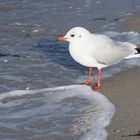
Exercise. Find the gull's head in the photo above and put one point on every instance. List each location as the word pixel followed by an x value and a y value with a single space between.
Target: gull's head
pixel 76 34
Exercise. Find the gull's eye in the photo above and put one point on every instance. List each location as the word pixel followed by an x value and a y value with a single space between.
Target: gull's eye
pixel 72 35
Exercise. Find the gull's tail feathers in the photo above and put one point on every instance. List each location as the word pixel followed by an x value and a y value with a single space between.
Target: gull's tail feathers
pixel 138 50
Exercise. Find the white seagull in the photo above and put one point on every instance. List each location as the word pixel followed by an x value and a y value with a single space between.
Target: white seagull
pixel 94 50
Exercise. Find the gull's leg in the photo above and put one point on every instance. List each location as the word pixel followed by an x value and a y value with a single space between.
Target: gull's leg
pixel 89 81
pixel 97 87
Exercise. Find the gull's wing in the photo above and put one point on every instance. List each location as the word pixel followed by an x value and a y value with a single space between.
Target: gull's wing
pixel 109 52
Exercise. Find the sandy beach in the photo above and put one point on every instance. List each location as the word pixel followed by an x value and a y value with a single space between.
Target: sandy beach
pixel 123 91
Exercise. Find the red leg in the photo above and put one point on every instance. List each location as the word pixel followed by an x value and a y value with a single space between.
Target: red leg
pixel 89 81
pixel 97 87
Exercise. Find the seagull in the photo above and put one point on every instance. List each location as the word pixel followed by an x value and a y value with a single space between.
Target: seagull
pixel 95 50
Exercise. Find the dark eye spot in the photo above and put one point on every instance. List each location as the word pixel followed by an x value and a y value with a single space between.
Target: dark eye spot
pixel 72 35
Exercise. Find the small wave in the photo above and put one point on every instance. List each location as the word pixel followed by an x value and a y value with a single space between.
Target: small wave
pixel 66 112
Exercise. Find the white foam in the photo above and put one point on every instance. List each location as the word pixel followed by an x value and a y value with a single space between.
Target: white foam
pixel 95 109
pixel 132 56
pixel 132 37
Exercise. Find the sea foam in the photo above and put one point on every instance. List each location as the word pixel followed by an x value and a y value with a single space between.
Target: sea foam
pixel 68 112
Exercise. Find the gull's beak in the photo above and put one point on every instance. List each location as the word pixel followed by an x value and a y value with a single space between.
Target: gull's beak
pixel 62 38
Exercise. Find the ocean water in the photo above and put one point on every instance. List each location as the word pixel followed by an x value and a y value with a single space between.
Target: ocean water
pixel 32 58
pixel 69 112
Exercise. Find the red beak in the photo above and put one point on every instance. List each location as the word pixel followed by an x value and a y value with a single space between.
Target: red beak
pixel 62 38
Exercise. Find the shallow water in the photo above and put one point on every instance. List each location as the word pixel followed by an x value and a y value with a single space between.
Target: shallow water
pixel 32 58
pixel 70 112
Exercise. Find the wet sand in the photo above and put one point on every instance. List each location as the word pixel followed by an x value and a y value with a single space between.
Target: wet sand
pixel 131 24
pixel 123 90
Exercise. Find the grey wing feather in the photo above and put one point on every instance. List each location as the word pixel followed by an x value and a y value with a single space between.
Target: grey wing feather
pixel 113 52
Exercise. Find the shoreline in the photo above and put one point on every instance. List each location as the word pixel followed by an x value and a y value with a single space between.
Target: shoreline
pixel 123 91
